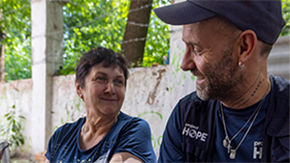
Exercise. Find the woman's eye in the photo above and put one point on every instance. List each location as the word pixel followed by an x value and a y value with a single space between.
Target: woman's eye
pixel 119 82
pixel 100 79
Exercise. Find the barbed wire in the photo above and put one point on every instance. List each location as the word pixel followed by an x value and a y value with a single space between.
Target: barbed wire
pixel 90 22
pixel 68 29
pixel 110 13
pixel 14 10
pixel 138 24
pixel 49 58
pixel 134 40
pixel 140 8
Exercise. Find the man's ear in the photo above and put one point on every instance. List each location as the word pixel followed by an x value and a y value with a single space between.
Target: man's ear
pixel 247 44
pixel 79 90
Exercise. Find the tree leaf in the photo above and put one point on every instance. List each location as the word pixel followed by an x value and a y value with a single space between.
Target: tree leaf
pixel 22 117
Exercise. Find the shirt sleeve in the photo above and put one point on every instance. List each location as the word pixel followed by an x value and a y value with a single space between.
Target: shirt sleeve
pixel 171 146
pixel 52 141
pixel 135 138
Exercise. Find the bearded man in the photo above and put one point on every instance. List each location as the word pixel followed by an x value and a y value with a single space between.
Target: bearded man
pixel 239 112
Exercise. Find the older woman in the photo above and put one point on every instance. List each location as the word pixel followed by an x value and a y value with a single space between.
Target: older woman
pixel 106 134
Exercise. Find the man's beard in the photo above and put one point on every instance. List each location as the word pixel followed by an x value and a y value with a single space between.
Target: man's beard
pixel 222 79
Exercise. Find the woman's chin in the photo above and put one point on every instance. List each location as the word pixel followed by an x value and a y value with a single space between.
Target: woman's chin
pixel 110 111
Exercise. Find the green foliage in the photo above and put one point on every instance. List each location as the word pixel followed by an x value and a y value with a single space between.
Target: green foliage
pixel 12 131
pixel 286 15
pixel 91 24
pixel 102 23
pixel 158 37
pixel 16 25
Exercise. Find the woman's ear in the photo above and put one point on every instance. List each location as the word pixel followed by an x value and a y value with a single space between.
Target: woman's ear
pixel 247 44
pixel 79 90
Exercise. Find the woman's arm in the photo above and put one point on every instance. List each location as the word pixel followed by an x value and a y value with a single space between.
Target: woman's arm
pixel 125 157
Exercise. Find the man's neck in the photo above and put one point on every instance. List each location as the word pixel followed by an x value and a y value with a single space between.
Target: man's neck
pixel 251 93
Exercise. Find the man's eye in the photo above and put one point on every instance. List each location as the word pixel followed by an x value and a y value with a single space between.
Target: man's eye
pixel 197 50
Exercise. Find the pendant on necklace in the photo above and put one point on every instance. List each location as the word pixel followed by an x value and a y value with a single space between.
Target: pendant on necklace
pixel 226 142
pixel 229 147
pixel 233 154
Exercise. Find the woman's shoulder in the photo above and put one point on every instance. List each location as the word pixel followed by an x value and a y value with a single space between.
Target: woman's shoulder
pixel 65 133
pixel 70 126
pixel 134 136
pixel 128 121
pixel 129 118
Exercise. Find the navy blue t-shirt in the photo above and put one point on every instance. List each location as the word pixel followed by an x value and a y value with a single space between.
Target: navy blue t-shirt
pixel 251 147
pixel 129 134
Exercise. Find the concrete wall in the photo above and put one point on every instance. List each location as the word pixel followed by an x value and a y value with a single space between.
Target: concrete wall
pixel 18 93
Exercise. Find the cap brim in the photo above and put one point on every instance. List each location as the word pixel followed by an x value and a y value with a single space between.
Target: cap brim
pixel 183 13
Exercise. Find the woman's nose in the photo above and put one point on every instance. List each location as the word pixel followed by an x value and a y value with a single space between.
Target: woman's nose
pixel 110 88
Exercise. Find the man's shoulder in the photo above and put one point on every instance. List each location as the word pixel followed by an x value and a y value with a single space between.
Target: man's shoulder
pixel 280 86
pixel 190 98
pixel 191 105
pixel 279 107
pixel 193 100
pixel 280 81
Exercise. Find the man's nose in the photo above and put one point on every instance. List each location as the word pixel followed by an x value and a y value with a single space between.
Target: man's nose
pixel 187 61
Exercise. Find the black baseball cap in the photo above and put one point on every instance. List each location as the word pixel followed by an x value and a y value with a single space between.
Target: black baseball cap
pixel 264 17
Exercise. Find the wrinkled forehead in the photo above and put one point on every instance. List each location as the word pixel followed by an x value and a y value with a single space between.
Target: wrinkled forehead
pixel 106 69
pixel 210 30
pixel 111 66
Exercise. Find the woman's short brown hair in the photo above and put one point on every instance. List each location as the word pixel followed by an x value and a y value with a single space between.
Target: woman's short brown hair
pixel 107 57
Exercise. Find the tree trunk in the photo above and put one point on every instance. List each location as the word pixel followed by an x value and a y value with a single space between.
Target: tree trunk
pixel 136 30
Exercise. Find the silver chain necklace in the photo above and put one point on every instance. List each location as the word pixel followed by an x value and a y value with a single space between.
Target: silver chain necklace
pixel 227 141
